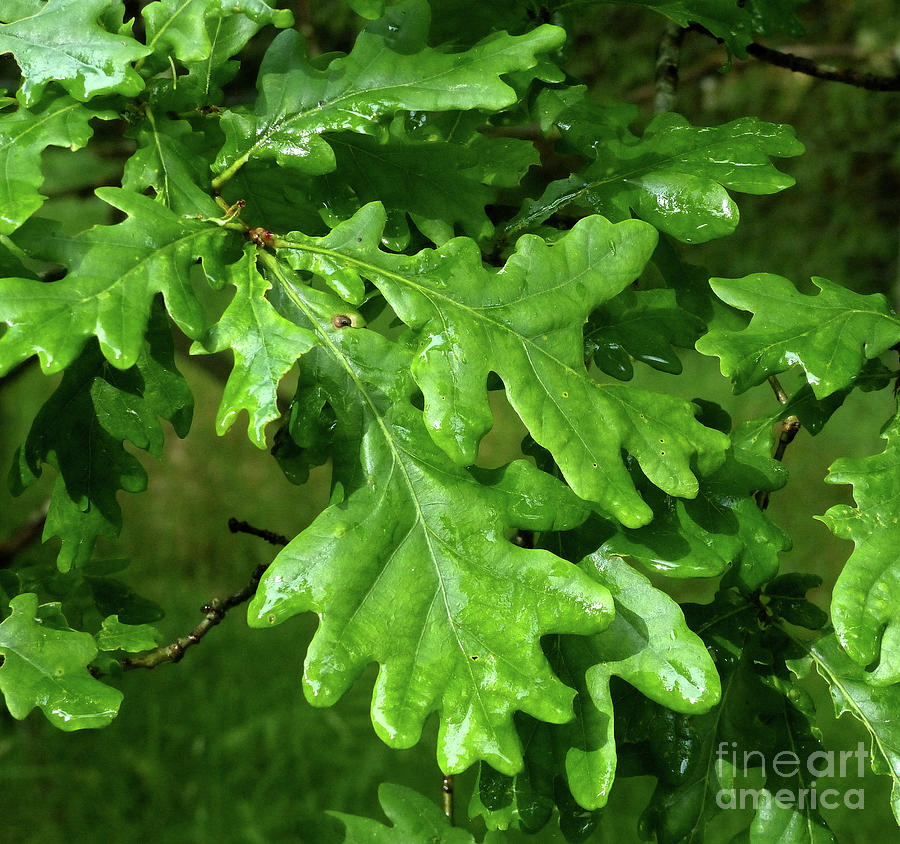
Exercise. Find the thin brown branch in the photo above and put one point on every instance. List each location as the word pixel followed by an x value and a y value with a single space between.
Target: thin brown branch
pixel 801 64
pixel 24 536
pixel 236 526
pixel 213 613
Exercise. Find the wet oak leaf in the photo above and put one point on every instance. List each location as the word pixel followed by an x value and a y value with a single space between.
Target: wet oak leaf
pixel 114 273
pixel 865 606
pixel 413 569
pixel 47 667
pixel 832 334
pixel 524 322
pixel 64 41
pixel 675 176
pixel 24 134
pixel 265 347
pixel 298 102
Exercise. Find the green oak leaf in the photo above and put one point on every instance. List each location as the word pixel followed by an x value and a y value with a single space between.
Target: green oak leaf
pixel 170 158
pixel 65 42
pixel 47 667
pixel 874 706
pixel 649 646
pixel 831 335
pixel 524 322
pixel 676 176
pixel 265 345
pixel 642 325
pixel 131 638
pixel 409 568
pixel 81 431
pixel 24 134
pixel 865 607
pixel 413 818
pixel 114 274
pixel 298 102
pixel 182 27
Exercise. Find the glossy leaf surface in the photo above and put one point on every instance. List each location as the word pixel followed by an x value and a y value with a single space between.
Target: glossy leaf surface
pixel 46 667
pixel 831 335
pixel 65 41
pixel 132 638
pixel 675 176
pixel 865 607
pixel 524 322
pixel 298 102
pixel 410 568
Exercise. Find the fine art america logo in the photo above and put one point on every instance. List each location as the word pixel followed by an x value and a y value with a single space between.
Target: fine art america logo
pixel 791 768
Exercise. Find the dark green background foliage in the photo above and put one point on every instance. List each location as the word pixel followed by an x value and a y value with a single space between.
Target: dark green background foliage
pixel 361 167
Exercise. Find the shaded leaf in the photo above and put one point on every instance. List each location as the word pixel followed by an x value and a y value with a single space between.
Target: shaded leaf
pixel 46 667
pixel 413 818
pixel 408 569
pixel 81 431
pixel 65 42
pixel 132 638
pixel 831 335
pixel 524 322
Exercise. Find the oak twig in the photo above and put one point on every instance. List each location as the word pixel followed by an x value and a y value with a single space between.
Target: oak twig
pixel 789 427
pixel 801 64
pixel 213 613
pixel 236 526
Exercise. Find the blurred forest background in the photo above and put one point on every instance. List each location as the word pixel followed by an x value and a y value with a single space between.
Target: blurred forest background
pixel 223 746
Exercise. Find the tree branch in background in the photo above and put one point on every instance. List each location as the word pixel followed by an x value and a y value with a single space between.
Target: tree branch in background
pixel 236 526
pixel 24 536
pixel 799 64
pixel 213 613
pixel 668 56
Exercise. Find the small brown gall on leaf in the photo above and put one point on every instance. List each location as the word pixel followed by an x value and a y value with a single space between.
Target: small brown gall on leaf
pixel 344 321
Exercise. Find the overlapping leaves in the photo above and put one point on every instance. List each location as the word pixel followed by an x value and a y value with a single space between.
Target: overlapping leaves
pixel 675 176
pixel 81 431
pixel 410 568
pixel 524 322
pixel 389 69
pixel 44 666
pixel 82 44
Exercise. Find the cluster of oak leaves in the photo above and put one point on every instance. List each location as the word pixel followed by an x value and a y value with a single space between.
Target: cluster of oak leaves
pixel 507 599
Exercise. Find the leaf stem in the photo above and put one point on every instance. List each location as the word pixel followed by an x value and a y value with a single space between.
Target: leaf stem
pixel 447 791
